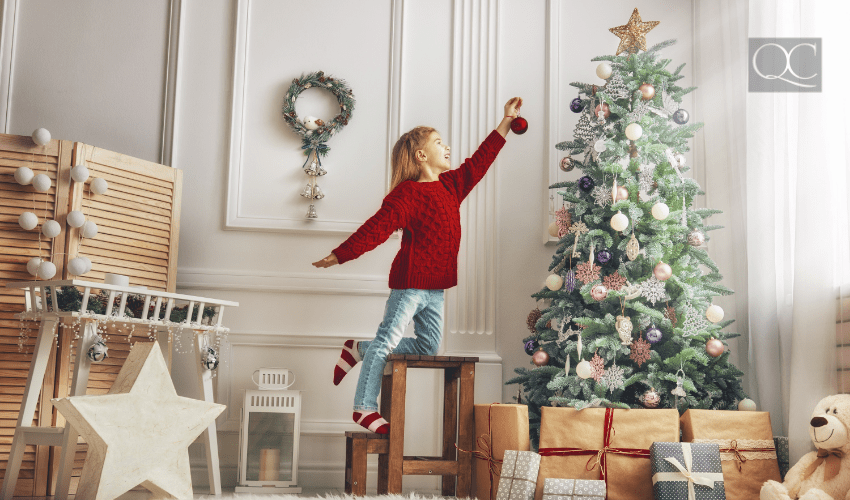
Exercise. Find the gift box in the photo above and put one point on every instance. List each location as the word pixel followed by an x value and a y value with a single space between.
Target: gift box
pixel 783 455
pixel 498 427
pixel 519 475
pixel 689 471
pixel 747 451
pixel 604 443
pixel 573 489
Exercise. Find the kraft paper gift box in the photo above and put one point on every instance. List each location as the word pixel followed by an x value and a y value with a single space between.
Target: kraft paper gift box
pixel 573 489
pixel 498 427
pixel 519 475
pixel 584 444
pixel 747 450
pixel 687 471
pixel 783 454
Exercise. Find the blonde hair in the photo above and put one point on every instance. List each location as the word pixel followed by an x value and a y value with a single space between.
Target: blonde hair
pixel 403 159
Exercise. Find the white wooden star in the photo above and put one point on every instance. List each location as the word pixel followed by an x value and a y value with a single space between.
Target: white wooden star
pixel 139 433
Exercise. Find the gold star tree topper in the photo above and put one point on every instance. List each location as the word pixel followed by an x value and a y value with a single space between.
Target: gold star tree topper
pixel 633 34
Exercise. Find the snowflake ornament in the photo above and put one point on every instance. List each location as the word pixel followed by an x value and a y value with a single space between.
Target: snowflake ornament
pixel 695 322
pixel 653 290
pixel 614 378
pixel 597 367
pixel 646 181
pixel 587 272
pixel 641 351
pixel 602 195
pixel 637 113
pixel 668 105
pixel 614 281
pixel 579 228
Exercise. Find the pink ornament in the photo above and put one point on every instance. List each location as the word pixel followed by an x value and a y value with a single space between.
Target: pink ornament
pixel 599 292
pixel 662 272
pixel 714 347
pixel 540 358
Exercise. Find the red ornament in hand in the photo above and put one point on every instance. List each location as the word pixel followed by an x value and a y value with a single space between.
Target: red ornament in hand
pixel 519 125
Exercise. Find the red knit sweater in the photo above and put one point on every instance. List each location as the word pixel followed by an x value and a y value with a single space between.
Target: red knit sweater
pixel 429 213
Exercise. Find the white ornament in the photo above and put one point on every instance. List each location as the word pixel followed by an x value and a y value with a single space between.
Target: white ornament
pixel 714 313
pixel 553 229
pixel 747 405
pixel 76 218
pixel 634 131
pixel 660 210
pixel 28 220
pixel 80 173
pixel 619 222
pixel 46 270
pixel 554 282
pixel 51 229
pixel 604 70
pixel 583 369
pixel 89 229
pixel 32 265
pixel 41 136
pixel 312 123
pixel 77 266
pixel 41 183
pixel 680 159
pixel 24 175
pixel 99 185
pixel 88 263
pixel 128 447
pixel 599 146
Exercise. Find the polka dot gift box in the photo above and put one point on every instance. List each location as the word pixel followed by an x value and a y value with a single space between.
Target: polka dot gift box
pixel 519 475
pixel 573 489
pixel 687 471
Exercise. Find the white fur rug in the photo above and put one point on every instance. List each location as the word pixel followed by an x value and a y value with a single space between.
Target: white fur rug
pixel 252 496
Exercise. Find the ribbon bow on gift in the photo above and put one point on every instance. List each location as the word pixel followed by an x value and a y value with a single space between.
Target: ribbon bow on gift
pixel 485 451
pixel 686 473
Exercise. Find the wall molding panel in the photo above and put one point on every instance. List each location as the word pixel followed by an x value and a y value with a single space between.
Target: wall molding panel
pixel 7 59
pixel 235 219
pixel 471 305
pixel 284 282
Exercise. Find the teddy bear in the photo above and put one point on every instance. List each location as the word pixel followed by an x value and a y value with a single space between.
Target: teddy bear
pixel 823 474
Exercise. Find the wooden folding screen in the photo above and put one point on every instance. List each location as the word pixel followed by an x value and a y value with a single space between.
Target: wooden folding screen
pixel 17 246
pixel 138 225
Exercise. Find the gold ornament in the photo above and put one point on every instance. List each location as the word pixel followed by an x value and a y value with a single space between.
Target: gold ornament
pixel 632 248
pixel 633 34
pixel 624 329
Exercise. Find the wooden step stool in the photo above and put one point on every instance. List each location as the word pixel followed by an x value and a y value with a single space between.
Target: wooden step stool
pixel 458 421
pixel 358 445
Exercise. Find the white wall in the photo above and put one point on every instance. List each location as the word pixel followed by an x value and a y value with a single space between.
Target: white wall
pixel 451 65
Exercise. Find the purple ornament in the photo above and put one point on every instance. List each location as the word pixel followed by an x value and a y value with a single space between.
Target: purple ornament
pixel 653 334
pixel 603 256
pixel 576 105
pixel 531 346
pixel 570 280
pixel 586 184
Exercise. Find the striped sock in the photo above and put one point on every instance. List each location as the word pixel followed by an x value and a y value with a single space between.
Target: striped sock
pixel 347 359
pixel 372 421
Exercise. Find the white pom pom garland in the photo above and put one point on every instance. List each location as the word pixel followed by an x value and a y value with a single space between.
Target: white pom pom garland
pixel 76 218
pixel 28 220
pixel 80 173
pixel 41 183
pixel 51 229
pixel 41 136
pixel 24 175
pixel 99 185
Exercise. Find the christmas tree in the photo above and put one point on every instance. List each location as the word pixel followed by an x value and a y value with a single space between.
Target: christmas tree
pixel 630 321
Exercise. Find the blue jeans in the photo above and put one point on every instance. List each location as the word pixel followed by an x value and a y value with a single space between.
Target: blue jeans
pixel 425 308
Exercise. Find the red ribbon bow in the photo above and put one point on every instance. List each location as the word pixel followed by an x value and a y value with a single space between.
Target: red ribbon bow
pixel 600 455
pixel 740 458
pixel 485 452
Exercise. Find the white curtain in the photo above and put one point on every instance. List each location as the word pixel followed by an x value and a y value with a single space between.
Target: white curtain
pixel 778 162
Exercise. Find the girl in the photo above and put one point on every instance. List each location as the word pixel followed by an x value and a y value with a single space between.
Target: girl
pixel 424 201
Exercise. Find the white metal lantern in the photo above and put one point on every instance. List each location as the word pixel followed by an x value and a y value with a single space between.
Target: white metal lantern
pixel 269 434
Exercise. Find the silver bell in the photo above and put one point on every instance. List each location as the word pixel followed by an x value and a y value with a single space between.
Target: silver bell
pixel 98 351
pixel 311 212
pixel 320 170
pixel 312 169
pixel 308 192
pixel 209 358
pixel 317 193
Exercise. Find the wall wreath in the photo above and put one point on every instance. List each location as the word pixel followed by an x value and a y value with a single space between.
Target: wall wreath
pixel 315 132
